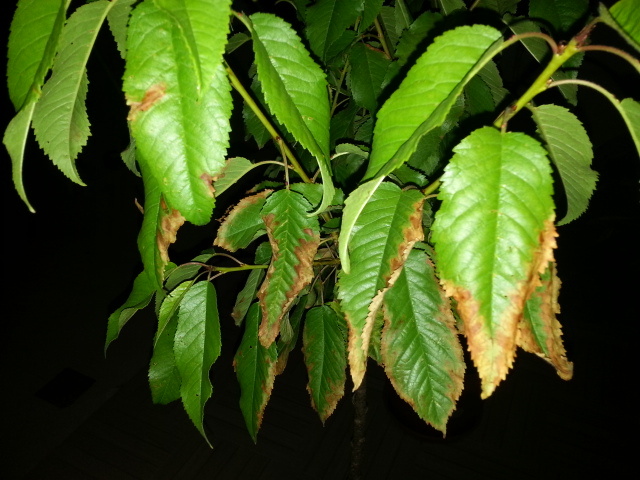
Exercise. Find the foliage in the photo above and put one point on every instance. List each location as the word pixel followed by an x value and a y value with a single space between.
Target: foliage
pixel 371 115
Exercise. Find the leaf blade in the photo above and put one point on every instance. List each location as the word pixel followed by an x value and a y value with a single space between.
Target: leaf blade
pixel 492 239
pixel 240 226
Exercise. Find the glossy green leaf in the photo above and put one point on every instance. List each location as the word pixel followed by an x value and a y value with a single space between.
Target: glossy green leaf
pixel 569 148
pixel 118 19
pixel 327 21
pixel 478 97
pixel 294 88
pixel 139 298
pixel 426 95
pixel 33 42
pixel 196 347
pixel 255 368
pixel 420 349
pixel 164 377
pixel 491 76
pixel 234 169
pixel 368 70
pixel 294 238
pixel 248 292
pixel 539 331
pixel 623 17
pixel 60 118
pixel 14 139
pixel 188 271
pixel 181 127
pixel 159 227
pixel 240 227
pixel 630 111
pixel 494 235
pixel 325 355
pixel 383 234
pixel 561 15
pixel 169 307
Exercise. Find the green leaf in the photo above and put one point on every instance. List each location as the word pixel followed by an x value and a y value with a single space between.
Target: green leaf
pixel 164 377
pixel 285 347
pixel 255 368
pixel 179 274
pixel 403 17
pixel 368 70
pixel 499 6
pixel 295 89
pixel 326 358
pixel 570 149
pixel 236 41
pixel 624 18
pixel 560 15
pixel 420 349
pixel 33 43
pixel 388 20
pixel 140 296
pixel 539 331
pixel 243 223
pixel 158 231
pixel 491 76
pixel 478 98
pixel 181 125
pixel 196 347
pixel 60 118
pixel 447 7
pixel 414 37
pixel 294 238
pixel 118 19
pixel 248 292
pixel 235 168
pixel 383 235
pixel 327 21
pixel 342 123
pixel 370 10
pixel 630 111
pixel 15 139
pixel 426 95
pixel 494 234
pixel 169 307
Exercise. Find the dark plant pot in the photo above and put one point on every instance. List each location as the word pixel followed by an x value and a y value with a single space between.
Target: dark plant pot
pixel 463 420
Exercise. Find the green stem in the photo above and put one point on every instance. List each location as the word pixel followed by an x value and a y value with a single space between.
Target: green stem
pixel 334 104
pixel 635 63
pixel 235 82
pixel 382 39
pixel 432 187
pixel 238 269
pixel 540 84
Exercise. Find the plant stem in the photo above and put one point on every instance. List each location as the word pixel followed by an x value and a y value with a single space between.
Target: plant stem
pixel 235 82
pixel 383 41
pixel 238 269
pixel 432 187
pixel 359 400
pixel 540 84
pixel 635 63
pixel 334 104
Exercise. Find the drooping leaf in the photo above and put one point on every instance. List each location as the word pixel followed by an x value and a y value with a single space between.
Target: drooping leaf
pixel 33 42
pixel 14 139
pixel 169 307
pixel 368 70
pixel 327 21
pixel 420 349
pixel 630 110
pixel 60 118
pixel 236 41
pixel 285 346
pixel 539 331
pixel 494 235
pixel 426 95
pixel 326 358
pixel 243 223
pixel 196 347
pixel 248 292
pixel 569 148
pixel 294 88
pixel 118 19
pixel 560 15
pixel 255 368
pixel 158 230
pixel 624 18
pixel 140 296
pixel 294 238
pixel 164 377
pixel 235 168
pixel 180 102
pixel 388 226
